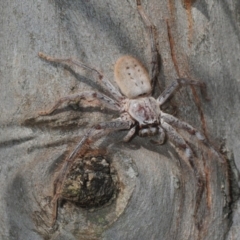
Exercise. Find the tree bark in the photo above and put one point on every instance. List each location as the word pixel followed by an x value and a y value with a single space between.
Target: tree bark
pixel 158 193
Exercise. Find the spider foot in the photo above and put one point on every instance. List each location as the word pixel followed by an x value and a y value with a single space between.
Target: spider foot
pixel 46 57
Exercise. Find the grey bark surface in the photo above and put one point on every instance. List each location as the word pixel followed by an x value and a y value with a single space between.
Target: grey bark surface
pixel 197 39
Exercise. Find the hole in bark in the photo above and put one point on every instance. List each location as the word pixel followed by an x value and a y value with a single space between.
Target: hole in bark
pixel 91 182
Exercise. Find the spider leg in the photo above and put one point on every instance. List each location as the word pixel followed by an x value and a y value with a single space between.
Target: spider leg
pixel 177 140
pixel 191 130
pixel 185 152
pixel 153 37
pixel 130 134
pixel 92 135
pixel 161 137
pixel 77 66
pixel 88 96
pixel 176 85
pixel 183 125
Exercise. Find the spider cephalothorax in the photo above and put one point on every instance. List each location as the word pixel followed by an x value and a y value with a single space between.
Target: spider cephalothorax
pixel 139 112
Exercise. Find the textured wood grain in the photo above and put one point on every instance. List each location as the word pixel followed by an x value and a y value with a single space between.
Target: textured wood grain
pixel 197 39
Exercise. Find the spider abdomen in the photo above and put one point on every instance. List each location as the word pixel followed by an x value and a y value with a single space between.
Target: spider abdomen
pixel 132 77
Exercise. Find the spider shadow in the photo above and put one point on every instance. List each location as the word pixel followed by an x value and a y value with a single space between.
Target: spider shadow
pixel 95 14
pixel 74 114
pixel 115 140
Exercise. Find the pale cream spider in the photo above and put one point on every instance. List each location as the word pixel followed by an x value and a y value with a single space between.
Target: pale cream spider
pixel 139 111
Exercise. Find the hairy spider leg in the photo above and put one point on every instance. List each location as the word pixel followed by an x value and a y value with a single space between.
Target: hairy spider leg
pixel 192 131
pixel 76 65
pixel 185 153
pixel 161 137
pixel 176 85
pixel 88 96
pixel 152 35
pixel 130 134
pixel 170 119
pixel 178 141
